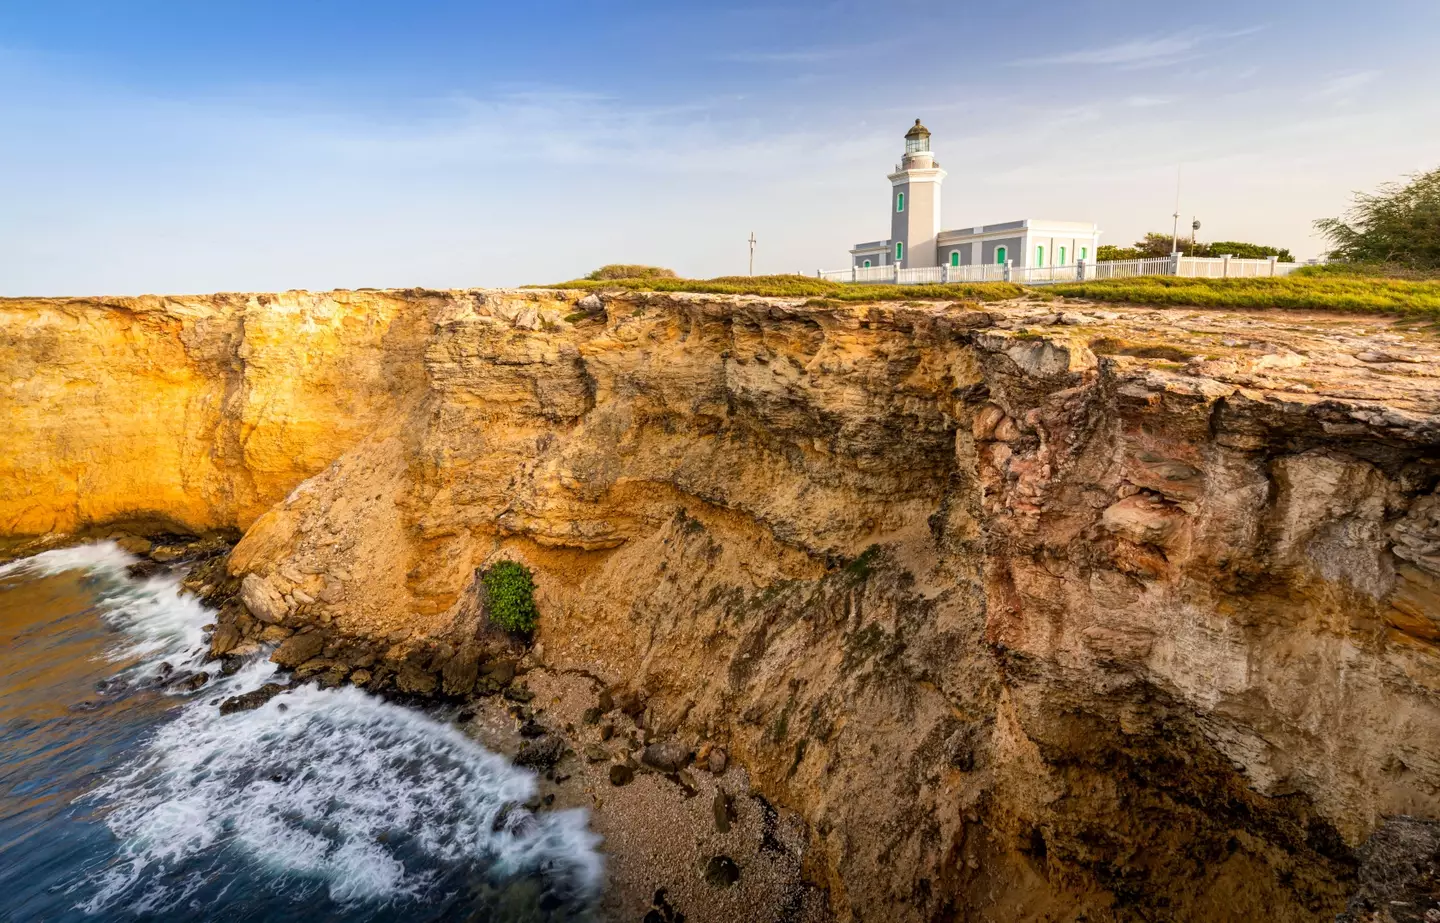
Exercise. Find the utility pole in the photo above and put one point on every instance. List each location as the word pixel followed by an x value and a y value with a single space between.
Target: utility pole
pixel 1175 229
pixel 752 253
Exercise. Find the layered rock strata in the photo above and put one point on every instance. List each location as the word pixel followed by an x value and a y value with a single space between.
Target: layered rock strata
pixel 1031 610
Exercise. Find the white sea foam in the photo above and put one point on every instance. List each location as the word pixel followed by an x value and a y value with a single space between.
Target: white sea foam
pixel 330 785
pixel 160 622
pixel 329 788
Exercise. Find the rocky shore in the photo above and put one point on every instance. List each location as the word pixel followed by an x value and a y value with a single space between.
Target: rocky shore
pixel 685 838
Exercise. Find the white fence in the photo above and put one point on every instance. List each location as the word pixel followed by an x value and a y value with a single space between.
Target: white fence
pixel 1186 266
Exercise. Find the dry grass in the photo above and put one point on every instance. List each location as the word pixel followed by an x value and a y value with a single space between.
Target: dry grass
pixel 1322 291
pixel 808 288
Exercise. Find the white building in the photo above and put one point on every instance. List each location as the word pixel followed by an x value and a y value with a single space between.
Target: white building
pixel 916 239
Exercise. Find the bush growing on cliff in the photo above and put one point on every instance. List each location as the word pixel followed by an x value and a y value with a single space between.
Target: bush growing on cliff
pixel 510 596
pixel 630 271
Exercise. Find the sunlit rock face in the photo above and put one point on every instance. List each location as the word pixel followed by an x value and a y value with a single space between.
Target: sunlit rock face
pixel 1027 608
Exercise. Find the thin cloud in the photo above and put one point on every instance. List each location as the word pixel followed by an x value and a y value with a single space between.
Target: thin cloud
pixel 805 55
pixel 1149 51
pixel 1343 87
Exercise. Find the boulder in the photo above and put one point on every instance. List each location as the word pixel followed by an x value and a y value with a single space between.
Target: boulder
pixel 262 599
pixel 717 761
pixel 596 753
pixel 541 754
pixel 721 872
pixel 723 807
pixel 620 774
pixel 460 673
pixel 414 680
pixel 670 756
pixel 297 649
pixel 251 700
pixel 223 639
pixel 133 544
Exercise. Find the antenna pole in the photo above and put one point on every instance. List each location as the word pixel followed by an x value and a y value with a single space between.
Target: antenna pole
pixel 752 253
pixel 1175 229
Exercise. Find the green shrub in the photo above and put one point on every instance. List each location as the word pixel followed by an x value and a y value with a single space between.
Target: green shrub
pixel 630 271
pixel 510 596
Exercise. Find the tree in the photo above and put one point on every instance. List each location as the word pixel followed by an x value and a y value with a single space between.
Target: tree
pixel 1108 252
pixel 1157 245
pixel 1398 224
pixel 630 271
pixel 1244 251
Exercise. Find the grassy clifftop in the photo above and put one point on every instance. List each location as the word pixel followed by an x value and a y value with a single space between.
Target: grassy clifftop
pixel 1316 290
pixel 806 287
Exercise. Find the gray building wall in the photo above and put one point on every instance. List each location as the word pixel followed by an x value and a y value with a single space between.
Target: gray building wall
pixel 1012 247
pixel 965 248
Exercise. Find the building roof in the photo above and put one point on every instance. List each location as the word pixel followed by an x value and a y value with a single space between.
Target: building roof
pixel 917 131
pixel 1031 224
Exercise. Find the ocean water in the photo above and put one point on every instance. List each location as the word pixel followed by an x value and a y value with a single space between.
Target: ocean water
pixel 122 798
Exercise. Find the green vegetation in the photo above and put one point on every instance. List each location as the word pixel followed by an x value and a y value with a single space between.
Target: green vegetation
pixel 807 287
pixel 1399 224
pixel 1157 245
pixel 510 596
pixel 630 271
pixel 1301 290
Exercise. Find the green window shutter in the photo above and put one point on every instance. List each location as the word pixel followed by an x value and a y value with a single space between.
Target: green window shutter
pixel 899 201
pixel 954 257
pixel 867 264
pixel 1039 256
pixel 1083 252
pixel 1062 257
pixel 899 251
pixel 999 255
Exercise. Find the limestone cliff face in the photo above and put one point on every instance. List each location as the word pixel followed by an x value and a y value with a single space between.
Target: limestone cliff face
pixel 1132 612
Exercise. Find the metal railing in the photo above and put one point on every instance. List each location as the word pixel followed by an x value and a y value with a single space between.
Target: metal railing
pixel 1175 265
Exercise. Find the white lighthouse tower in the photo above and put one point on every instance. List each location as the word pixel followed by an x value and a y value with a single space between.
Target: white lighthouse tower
pixel 915 202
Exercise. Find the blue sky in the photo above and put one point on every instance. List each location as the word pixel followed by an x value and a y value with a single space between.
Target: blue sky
pixel 189 147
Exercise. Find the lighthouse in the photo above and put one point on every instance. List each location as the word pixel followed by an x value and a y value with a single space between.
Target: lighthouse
pixel 915 202
pixel 916 241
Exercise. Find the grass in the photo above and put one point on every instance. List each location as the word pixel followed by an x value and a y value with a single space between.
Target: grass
pixel 1321 291
pixel 806 287
pixel 1364 289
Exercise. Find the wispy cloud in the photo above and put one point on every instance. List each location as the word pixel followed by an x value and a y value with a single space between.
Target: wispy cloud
pixel 1342 88
pixel 1145 51
pixel 1147 102
pixel 806 55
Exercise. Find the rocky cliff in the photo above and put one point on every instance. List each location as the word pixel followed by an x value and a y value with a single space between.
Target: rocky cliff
pixel 1032 611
